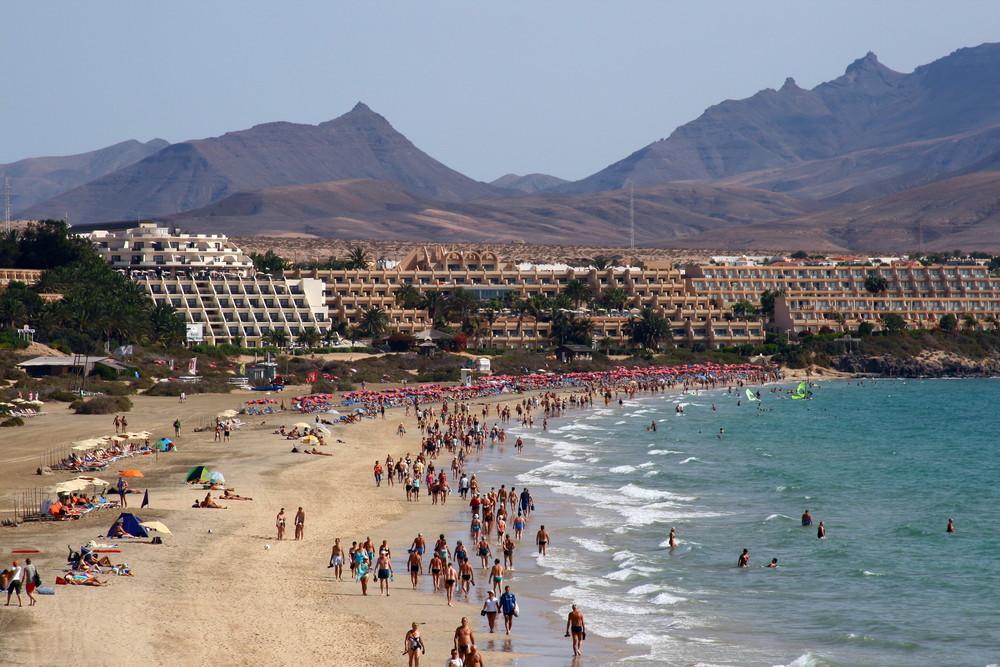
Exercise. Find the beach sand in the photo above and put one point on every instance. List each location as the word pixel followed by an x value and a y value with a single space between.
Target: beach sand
pixel 211 591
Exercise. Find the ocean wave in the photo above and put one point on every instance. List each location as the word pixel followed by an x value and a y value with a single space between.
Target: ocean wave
pixel 623 469
pixel 666 599
pixel 640 493
pixel 689 459
pixel 592 545
pixel 807 660
pixel 663 452
pixel 777 516
pixel 868 573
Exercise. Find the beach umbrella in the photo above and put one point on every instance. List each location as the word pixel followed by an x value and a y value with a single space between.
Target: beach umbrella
pixel 301 426
pixel 157 526
pixel 320 427
pixel 197 474
pixel 216 476
pixel 68 486
pixel 310 440
pixel 130 473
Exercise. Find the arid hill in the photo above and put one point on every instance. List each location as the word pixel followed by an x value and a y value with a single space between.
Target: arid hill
pixel 36 179
pixel 376 210
pixel 956 213
pixel 193 174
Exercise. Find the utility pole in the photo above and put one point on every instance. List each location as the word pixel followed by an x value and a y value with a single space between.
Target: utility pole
pixel 6 203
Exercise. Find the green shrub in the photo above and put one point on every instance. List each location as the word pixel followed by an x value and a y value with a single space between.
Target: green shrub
pixel 64 396
pixel 104 405
pixel 12 421
pixel 105 373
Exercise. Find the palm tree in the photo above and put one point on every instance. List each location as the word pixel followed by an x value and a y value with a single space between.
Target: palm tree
pixel 310 336
pixel 603 262
pixel 648 330
pixel 359 258
pixel 578 291
pixel 167 326
pixel 434 302
pixel 374 323
pixel 616 298
pixel 407 295
pixel 875 284
pixel 463 302
pixel 969 322
pixel 277 337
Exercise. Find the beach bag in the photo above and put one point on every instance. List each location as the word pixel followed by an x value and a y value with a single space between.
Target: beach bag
pixel 60 581
pixel 36 579
pixel 516 610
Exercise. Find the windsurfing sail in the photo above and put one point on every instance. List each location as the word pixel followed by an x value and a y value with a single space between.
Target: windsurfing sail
pixel 802 391
pixel 751 396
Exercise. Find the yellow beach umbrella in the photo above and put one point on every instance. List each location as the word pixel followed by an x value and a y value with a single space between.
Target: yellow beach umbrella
pixel 157 526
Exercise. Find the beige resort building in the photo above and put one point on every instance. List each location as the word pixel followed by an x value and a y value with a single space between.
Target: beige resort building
pixel 212 284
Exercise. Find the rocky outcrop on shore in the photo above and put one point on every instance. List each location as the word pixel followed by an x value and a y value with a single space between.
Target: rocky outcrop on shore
pixel 927 364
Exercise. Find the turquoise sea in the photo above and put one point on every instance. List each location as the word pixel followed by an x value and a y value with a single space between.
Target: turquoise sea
pixel 883 463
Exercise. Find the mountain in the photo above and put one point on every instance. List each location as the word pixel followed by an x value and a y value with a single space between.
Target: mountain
pixel 531 183
pixel 193 174
pixel 870 107
pixel 36 179
pixel 378 210
pixel 961 212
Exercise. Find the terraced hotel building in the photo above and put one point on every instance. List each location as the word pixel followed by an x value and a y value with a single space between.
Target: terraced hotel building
pixel 213 287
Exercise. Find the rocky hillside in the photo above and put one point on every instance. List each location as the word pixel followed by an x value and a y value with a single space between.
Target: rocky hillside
pixel 36 179
pixel 194 174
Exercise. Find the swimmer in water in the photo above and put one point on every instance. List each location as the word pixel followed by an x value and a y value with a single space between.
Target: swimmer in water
pixel 951 526
pixel 744 560
pixel 807 519
pixel 672 540
pixel 774 562
pixel 821 531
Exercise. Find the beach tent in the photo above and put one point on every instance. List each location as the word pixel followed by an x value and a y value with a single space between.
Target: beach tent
pixel 130 523
pixel 198 474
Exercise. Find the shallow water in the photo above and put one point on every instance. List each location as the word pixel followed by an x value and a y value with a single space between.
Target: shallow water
pixel 883 464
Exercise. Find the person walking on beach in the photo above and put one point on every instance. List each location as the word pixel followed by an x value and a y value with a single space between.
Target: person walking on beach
pixel 508 605
pixel 491 606
pixel 526 502
pixel 508 552
pixel 484 552
pixel 16 575
pixel 542 539
pixel 337 560
pixel 378 473
pixel 576 627
pixel 463 486
pixel 414 565
pixel 384 569
pixel 450 579
pixel 177 427
pixel 300 524
pixel 29 578
pixel 474 658
pixel 744 559
pixel 496 575
pixel 363 571
pixel 454 660
pixel 468 576
pixel 464 638
pixel 279 523
pixel 413 645
pixel 122 492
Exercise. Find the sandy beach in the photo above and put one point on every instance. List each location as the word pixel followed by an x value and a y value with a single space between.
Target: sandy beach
pixel 211 591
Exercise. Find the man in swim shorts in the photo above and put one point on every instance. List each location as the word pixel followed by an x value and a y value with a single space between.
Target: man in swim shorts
pixel 450 579
pixel 384 568
pixel 468 576
pixel 542 540
pixel 577 628
pixel 464 638
pixel 496 575
pixel 414 565
pixel 807 519
pixel 337 560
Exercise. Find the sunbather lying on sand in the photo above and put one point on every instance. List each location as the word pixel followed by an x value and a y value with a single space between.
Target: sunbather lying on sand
pixel 226 495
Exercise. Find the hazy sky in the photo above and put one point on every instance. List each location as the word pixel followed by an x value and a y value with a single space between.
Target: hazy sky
pixel 563 87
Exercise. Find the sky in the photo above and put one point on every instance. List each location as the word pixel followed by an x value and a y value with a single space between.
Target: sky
pixel 562 87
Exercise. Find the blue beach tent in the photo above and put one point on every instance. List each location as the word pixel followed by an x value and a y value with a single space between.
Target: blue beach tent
pixel 130 523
